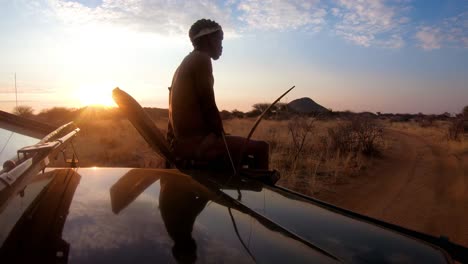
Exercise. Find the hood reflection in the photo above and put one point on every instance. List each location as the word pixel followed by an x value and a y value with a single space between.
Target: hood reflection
pixel 181 200
pixel 37 235
pixel 130 186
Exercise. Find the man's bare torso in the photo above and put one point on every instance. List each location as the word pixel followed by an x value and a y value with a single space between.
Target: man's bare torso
pixel 193 113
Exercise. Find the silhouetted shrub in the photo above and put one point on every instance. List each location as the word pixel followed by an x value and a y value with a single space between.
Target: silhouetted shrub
pixel 455 129
pixel 237 114
pixel 260 106
pixel 299 128
pixel 253 113
pixel 23 111
pixel 342 138
pixel 361 134
pixel 369 133
pixel 426 121
pixel 224 114
pixel 57 115
pixel 278 111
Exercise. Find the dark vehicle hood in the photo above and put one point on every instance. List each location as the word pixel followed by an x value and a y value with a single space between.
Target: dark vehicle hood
pixel 119 215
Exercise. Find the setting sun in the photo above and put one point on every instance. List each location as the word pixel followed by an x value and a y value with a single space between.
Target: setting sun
pixel 95 95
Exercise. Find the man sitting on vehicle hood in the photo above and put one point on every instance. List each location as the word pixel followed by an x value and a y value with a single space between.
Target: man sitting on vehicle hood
pixel 195 126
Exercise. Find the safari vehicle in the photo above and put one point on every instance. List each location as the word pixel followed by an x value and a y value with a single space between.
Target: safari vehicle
pixel 185 215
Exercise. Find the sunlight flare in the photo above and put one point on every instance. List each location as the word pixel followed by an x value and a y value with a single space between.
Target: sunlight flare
pixel 95 95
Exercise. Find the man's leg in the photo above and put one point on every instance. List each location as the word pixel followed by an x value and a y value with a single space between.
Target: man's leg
pixel 258 149
pixel 213 147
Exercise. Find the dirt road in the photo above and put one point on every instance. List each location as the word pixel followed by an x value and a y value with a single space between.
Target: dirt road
pixel 416 185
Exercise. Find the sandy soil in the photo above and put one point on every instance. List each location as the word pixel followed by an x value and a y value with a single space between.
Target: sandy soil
pixel 416 185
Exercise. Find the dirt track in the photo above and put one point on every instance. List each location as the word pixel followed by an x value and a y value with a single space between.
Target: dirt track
pixel 415 185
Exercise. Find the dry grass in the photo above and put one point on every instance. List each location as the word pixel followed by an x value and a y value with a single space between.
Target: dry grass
pixel 307 169
pixel 301 149
pixel 437 131
pixel 437 134
pixel 110 143
pixel 115 142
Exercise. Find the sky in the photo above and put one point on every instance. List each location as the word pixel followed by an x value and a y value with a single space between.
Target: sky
pixel 402 56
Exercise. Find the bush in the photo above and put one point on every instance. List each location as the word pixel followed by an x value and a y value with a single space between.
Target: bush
pixel 368 133
pixel 455 129
pixel 23 111
pixel 253 113
pixel 237 114
pixel 427 121
pixel 57 115
pixel 459 125
pixel 225 115
pixel 342 139
pixel 299 128
pixel 361 134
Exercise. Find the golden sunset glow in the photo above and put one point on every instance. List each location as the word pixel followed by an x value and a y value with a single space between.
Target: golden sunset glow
pixel 333 51
pixel 95 95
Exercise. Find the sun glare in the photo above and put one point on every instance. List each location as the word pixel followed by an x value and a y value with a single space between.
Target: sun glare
pixel 94 95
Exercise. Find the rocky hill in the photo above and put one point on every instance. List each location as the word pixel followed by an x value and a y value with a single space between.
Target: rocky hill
pixel 306 105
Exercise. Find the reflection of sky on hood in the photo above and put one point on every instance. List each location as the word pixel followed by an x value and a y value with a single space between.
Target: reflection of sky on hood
pixel 138 233
pixel 97 228
pixel 9 215
pixel 346 237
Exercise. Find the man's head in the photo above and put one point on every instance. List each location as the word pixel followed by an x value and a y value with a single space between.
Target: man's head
pixel 207 35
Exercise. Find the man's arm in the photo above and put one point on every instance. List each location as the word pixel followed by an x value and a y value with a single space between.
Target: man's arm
pixel 204 89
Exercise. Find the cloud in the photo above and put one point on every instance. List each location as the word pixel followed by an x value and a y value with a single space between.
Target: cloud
pixel 175 17
pixel 429 38
pixel 370 22
pixel 162 17
pixel 365 23
pixel 451 31
pixel 282 15
pixel 392 42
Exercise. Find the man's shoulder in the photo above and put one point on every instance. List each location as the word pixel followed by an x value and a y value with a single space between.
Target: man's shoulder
pixel 198 58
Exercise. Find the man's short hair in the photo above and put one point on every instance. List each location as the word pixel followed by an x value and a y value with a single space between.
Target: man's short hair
pixel 202 28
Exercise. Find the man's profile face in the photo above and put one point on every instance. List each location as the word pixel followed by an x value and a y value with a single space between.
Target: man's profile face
pixel 216 41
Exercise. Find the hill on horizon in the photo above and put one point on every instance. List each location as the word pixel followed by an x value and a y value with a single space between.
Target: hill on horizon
pixel 305 105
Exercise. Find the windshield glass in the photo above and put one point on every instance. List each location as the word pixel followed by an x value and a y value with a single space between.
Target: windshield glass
pixel 10 142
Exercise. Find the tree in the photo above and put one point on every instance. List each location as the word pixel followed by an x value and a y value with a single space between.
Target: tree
pixel 23 111
pixel 465 112
pixel 277 110
pixel 237 114
pixel 446 115
pixel 260 107
pixel 224 114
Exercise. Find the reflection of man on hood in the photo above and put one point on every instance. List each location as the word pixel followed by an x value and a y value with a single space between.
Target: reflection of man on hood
pixel 181 200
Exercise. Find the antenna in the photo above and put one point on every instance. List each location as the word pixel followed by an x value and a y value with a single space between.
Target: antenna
pixel 16 92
